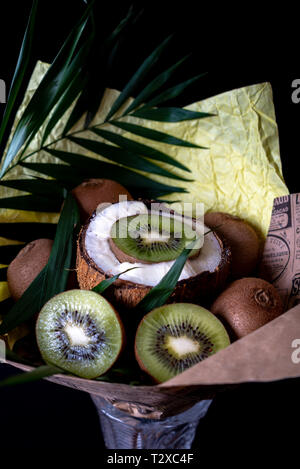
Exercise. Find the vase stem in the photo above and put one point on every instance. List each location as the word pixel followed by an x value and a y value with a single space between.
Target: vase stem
pixel 122 431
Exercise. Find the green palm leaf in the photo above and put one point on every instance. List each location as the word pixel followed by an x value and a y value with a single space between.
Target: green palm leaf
pixel 172 93
pixel 36 186
pixel 21 68
pixel 102 286
pixel 77 84
pixel 143 70
pixel 66 175
pixel 92 93
pixel 47 94
pixel 139 148
pixel 6 305
pixel 85 167
pixel 169 114
pixel 159 294
pixel 35 203
pixel 154 85
pixel 30 376
pixel 122 156
pixel 154 135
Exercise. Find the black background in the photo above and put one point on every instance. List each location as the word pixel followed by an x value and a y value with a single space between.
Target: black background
pixel 252 419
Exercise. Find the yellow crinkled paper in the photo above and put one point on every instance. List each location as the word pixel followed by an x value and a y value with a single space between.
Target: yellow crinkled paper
pixel 240 172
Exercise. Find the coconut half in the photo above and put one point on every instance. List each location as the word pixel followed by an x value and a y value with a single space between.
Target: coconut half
pixel 201 276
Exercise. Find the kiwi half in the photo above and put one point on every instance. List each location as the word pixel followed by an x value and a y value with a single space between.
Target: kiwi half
pixel 175 337
pixel 150 238
pixel 80 332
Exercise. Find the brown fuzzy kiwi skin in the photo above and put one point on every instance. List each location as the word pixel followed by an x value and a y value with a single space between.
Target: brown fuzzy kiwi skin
pixel 92 192
pixel 123 334
pixel 125 294
pixel 246 305
pixel 243 241
pixel 27 265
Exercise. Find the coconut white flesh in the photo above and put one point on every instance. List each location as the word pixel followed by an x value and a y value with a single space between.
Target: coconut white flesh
pixel 98 249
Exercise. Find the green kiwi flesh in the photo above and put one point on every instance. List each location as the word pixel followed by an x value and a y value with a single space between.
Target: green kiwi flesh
pixel 175 337
pixel 80 332
pixel 151 238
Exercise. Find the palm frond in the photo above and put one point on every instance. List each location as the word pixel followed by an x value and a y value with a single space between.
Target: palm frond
pixel 21 68
pixel 154 85
pixel 67 80
pixel 47 94
pixel 36 203
pixel 96 77
pixel 142 71
pixel 154 135
pixel 139 148
pixel 169 114
pixel 122 156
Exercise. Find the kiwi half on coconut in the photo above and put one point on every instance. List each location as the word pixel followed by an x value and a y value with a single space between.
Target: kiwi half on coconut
pixel 80 332
pixel 129 234
pixel 175 337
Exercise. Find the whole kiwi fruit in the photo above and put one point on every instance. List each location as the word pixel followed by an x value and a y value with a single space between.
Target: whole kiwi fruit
pixel 242 238
pixel 92 192
pixel 246 305
pixel 27 265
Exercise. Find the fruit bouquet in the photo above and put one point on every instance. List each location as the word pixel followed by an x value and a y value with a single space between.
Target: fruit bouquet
pixel 108 284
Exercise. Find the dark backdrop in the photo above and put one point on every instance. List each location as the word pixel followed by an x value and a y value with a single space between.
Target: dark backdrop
pixel 251 419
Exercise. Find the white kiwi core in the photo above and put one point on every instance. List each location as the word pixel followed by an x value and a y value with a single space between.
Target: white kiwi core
pixel 183 345
pixel 76 335
pixel 98 248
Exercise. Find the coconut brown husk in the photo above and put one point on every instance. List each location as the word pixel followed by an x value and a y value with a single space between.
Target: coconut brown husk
pixel 126 294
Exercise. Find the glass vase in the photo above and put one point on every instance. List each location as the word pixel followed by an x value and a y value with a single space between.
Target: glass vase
pixel 123 431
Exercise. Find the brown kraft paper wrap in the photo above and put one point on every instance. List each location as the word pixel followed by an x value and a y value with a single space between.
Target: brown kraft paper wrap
pixel 266 354
pixel 281 257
